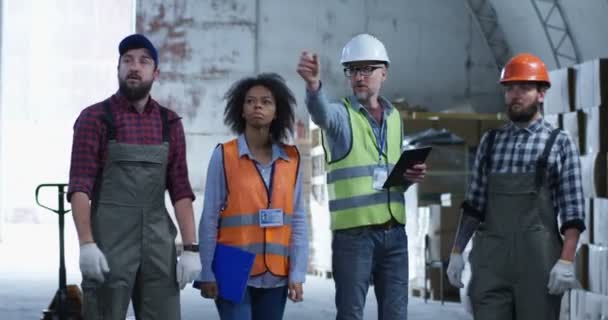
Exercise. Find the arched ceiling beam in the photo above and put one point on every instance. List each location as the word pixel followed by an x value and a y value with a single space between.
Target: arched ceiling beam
pixel 485 18
pixel 563 47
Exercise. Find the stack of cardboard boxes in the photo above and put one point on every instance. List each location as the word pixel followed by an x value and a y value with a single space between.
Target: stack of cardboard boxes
pixel 441 194
pixel 578 103
pixel 319 218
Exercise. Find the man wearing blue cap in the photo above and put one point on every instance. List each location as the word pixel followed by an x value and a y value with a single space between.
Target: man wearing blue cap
pixel 127 150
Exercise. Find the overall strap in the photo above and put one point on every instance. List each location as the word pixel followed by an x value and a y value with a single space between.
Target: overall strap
pixel 541 165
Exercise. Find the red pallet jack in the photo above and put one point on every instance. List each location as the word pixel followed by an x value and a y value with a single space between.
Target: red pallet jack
pixel 67 302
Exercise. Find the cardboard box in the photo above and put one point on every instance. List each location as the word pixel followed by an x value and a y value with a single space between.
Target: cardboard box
pixel 594 167
pixel 599 222
pixel 452 200
pixel 560 97
pixel 574 124
pixel 443 219
pixel 317 165
pixel 592 268
pixel 315 137
pixel 449 293
pixel 440 245
pixel 591 83
pixel 554 119
pixel 581 265
pixel 595 129
pixel 598 269
pixel 428 199
pixel 437 182
pixel 585 237
pixel 584 305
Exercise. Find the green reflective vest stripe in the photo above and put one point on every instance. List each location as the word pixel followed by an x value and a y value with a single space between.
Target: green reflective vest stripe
pixel 353 202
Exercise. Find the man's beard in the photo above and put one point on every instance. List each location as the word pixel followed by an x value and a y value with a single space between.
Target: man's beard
pixel 134 93
pixel 362 96
pixel 525 115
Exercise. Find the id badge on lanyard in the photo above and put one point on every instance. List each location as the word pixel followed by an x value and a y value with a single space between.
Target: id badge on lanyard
pixel 270 217
pixel 380 172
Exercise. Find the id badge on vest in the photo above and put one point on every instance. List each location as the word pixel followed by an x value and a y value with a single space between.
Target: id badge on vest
pixel 379 177
pixel 271 218
pixel 380 171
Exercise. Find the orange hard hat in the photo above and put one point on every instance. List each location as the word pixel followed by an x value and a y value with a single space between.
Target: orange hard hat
pixel 525 67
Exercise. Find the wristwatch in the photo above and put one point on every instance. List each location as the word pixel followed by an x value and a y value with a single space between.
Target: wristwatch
pixel 191 247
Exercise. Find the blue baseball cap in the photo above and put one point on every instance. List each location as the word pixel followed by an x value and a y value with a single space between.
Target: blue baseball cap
pixel 138 41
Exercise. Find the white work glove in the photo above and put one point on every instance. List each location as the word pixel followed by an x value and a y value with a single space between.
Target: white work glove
pixel 562 277
pixel 93 263
pixel 188 268
pixel 455 268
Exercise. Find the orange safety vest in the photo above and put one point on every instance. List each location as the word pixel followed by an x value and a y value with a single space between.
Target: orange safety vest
pixel 239 224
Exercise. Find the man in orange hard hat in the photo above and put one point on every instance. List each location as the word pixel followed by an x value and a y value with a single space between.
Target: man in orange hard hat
pixel 526 175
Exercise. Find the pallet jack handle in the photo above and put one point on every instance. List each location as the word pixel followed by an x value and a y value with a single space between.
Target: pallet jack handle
pixel 61 211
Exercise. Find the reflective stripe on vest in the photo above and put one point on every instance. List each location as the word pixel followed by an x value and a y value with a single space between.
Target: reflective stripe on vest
pixel 248 219
pixel 353 201
pixel 247 194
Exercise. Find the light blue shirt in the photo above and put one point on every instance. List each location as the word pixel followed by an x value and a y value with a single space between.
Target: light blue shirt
pixel 215 200
pixel 332 118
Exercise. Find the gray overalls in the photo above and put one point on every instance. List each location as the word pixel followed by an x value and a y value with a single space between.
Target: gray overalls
pixel 516 246
pixel 134 231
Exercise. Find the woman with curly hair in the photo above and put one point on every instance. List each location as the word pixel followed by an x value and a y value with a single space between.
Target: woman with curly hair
pixel 253 200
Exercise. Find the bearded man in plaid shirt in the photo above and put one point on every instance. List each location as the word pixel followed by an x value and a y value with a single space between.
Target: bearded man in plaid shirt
pixel 127 150
pixel 527 176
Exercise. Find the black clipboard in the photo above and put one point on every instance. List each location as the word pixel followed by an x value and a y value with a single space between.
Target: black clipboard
pixel 407 159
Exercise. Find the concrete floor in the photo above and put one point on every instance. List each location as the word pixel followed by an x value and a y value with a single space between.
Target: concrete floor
pixel 28 280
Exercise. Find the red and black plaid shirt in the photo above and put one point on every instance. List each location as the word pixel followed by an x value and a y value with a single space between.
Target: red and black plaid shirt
pixel 89 148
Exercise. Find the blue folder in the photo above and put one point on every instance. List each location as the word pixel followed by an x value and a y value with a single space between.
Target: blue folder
pixel 231 267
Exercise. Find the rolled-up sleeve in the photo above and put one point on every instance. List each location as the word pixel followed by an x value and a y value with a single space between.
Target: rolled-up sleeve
pixel 177 167
pixel 569 194
pixel 477 189
pixel 85 158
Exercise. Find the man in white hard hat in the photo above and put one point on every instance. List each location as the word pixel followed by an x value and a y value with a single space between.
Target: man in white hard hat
pixel 362 137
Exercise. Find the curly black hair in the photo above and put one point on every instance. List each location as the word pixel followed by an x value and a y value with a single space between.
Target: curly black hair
pixel 285 101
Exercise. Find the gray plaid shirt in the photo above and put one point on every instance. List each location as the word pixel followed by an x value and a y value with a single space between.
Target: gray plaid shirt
pixel 516 150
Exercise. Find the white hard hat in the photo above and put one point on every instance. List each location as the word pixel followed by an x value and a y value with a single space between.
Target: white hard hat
pixel 364 47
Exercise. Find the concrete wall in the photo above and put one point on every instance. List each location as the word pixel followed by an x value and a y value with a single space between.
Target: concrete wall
pixel 428 43
pixel 206 45
pixel 60 56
